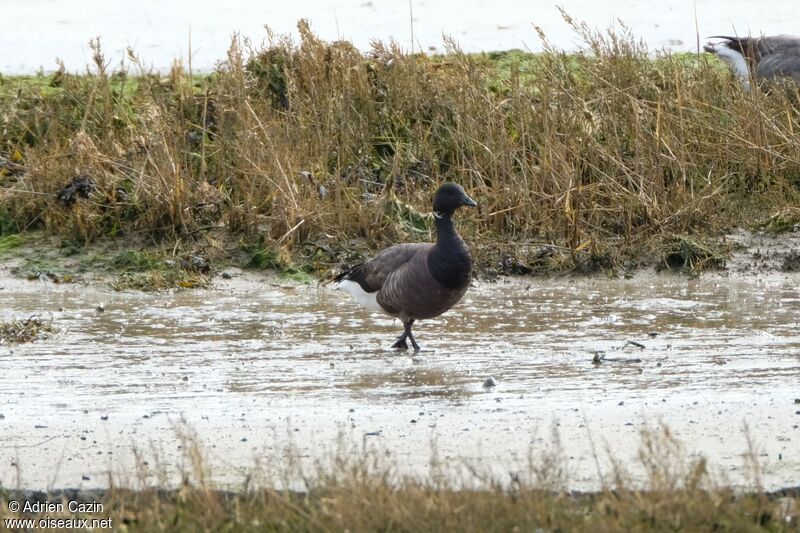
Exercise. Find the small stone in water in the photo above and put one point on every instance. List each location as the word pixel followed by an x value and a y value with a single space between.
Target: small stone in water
pixel 489 383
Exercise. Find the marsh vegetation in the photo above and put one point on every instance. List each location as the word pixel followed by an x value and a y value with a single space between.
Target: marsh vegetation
pixel 367 494
pixel 309 154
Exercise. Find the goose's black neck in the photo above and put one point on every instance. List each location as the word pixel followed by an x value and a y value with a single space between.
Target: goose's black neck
pixel 445 229
pixel 449 260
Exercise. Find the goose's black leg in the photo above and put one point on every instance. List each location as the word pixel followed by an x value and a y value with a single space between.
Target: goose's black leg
pixel 401 342
pixel 407 326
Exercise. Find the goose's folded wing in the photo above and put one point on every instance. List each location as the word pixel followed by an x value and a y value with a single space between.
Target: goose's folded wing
pixel 780 64
pixel 372 274
pixel 777 44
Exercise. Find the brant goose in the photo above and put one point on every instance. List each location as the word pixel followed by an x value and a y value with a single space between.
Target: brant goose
pixel 762 58
pixel 416 281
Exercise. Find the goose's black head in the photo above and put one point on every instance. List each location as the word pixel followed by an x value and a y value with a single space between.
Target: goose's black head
pixel 449 197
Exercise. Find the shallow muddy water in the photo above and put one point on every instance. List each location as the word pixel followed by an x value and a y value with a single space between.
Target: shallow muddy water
pixel 252 367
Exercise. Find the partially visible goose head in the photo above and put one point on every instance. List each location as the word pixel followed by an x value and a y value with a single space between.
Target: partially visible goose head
pixel 448 198
pixel 734 59
pixel 761 58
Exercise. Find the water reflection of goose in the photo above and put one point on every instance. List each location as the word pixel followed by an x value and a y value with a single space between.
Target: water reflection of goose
pixel 416 281
pixel 760 58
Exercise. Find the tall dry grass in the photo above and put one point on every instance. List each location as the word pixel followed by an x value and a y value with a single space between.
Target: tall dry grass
pixel 363 491
pixel 314 149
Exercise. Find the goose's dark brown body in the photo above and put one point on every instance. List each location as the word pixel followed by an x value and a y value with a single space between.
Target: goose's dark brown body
pixel 413 281
pixel 429 297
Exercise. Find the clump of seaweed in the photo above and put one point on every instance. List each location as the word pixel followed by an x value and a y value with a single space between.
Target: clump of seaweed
pixel 31 329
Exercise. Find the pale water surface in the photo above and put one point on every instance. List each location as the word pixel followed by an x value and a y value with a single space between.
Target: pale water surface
pixel 36 32
pixel 254 367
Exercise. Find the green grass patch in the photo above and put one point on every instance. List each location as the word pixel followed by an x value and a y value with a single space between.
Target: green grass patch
pixel 37 84
pixel 296 275
pixel 786 219
pixel 9 242
pixel 7 224
pixel 261 258
pixel 45 268
pixel 147 271
pixel 161 279
pixel 137 261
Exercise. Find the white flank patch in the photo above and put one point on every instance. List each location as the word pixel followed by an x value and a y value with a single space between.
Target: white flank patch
pixel 735 60
pixel 366 299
